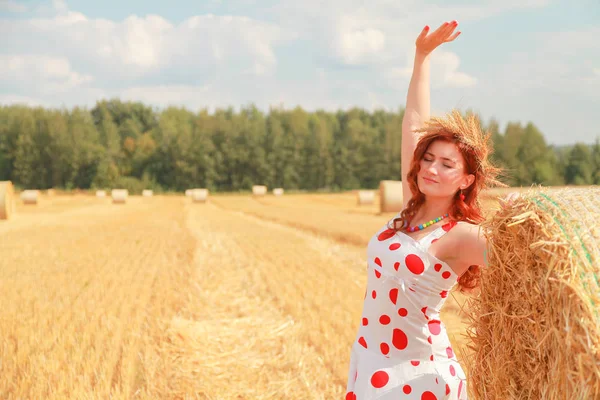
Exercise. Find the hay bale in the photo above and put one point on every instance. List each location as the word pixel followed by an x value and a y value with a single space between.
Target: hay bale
pixel 30 196
pixel 365 197
pixel 147 193
pixel 119 196
pixel 188 192
pixel 259 190
pixel 100 193
pixel 390 196
pixel 278 192
pixel 199 195
pixel 534 328
pixel 7 199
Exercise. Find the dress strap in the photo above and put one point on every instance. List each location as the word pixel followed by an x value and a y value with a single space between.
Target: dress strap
pixel 428 240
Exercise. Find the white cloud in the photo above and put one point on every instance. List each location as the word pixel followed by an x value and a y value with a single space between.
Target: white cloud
pixel 48 74
pixel 12 6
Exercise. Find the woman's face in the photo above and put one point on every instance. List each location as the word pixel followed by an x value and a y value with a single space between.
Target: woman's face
pixel 443 170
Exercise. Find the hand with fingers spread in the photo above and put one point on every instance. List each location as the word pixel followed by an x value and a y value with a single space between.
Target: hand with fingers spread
pixel 427 42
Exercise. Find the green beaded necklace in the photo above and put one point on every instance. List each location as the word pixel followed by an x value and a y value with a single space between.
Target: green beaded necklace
pixel 426 224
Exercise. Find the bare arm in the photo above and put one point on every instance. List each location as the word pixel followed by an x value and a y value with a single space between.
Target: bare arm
pixel 418 98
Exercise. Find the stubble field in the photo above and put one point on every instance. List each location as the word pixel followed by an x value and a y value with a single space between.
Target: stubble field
pixel 162 298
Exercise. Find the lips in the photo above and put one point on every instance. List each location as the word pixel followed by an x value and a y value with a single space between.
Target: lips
pixel 429 180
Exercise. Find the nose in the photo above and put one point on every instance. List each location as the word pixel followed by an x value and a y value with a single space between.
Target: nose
pixel 432 169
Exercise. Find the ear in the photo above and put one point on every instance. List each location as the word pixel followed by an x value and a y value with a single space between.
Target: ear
pixel 467 181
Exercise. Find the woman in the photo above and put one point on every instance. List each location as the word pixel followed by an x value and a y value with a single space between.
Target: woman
pixel 402 350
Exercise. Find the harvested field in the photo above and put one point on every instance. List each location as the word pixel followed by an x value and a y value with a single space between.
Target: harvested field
pixel 240 298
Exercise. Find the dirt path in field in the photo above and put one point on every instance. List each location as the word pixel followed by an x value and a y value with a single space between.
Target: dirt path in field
pixel 279 309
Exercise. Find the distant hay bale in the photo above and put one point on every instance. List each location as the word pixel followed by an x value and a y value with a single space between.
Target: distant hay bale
pixel 188 193
pixel 365 197
pixel 199 195
pixel 30 196
pixel 535 326
pixel 390 196
pixel 278 192
pixel 259 190
pixel 7 200
pixel 119 196
pixel 100 193
pixel 147 193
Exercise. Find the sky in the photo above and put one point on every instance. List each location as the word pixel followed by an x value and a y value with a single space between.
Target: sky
pixel 515 60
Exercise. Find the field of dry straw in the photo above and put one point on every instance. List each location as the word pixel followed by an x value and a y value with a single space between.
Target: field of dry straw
pixel 162 298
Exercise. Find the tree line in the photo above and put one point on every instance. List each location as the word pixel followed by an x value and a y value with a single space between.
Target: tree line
pixel 134 146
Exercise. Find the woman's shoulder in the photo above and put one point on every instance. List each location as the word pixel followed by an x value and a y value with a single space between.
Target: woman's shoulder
pixel 471 241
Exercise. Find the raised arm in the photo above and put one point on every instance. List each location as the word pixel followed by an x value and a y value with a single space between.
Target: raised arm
pixel 417 101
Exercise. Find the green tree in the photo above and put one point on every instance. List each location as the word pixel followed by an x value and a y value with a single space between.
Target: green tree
pixel 579 169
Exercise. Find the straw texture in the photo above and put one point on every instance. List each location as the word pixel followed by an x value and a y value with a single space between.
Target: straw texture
pixel 534 330
pixel 7 202
pixel 390 196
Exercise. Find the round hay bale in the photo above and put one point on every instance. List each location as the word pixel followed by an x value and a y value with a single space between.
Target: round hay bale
pixel 119 196
pixel 259 190
pixel 534 328
pixel 100 193
pixel 30 196
pixel 188 192
pixel 365 197
pixel 147 193
pixel 199 195
pixel 390 196
pixel 7 199
pixel 278 192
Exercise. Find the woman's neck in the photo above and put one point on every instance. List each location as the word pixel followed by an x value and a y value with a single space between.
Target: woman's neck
pixel 431 209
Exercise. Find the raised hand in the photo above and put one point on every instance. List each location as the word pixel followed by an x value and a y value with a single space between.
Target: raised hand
pixel 427 42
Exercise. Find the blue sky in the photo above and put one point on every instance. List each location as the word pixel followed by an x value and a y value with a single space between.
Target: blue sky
pixel 516 60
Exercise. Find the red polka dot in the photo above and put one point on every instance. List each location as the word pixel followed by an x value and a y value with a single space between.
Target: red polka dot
pixel 436 379
pixel 449 225
pixel 431 358
pixel 414 264
pixel 452 370
pixel 447 389
pixel 415 363
pixel 377 274
pixel 428 396
pixel 412 290
pixel 385 348
pixel 350 396
pixel 380 379
pixel 406 389
pixel 374 294
pixel 449 352
pixel 424 311
pixel 378 261
pixel 384 320
pixel 385 235
pixel 429 340
pixel 434 326
pixel 446 274
pixel 402 312
pixel 434 240
pixel 399 339
pixel 362 342
pixel 437 267
pixel 394 246
pixel 394 295
pixel 444 294
pixel 396 266
pixel 365 322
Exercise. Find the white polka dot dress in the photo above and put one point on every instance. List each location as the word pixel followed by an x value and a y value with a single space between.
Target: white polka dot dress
pixel 402 350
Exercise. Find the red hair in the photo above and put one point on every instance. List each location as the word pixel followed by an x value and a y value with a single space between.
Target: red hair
pixel 474 148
